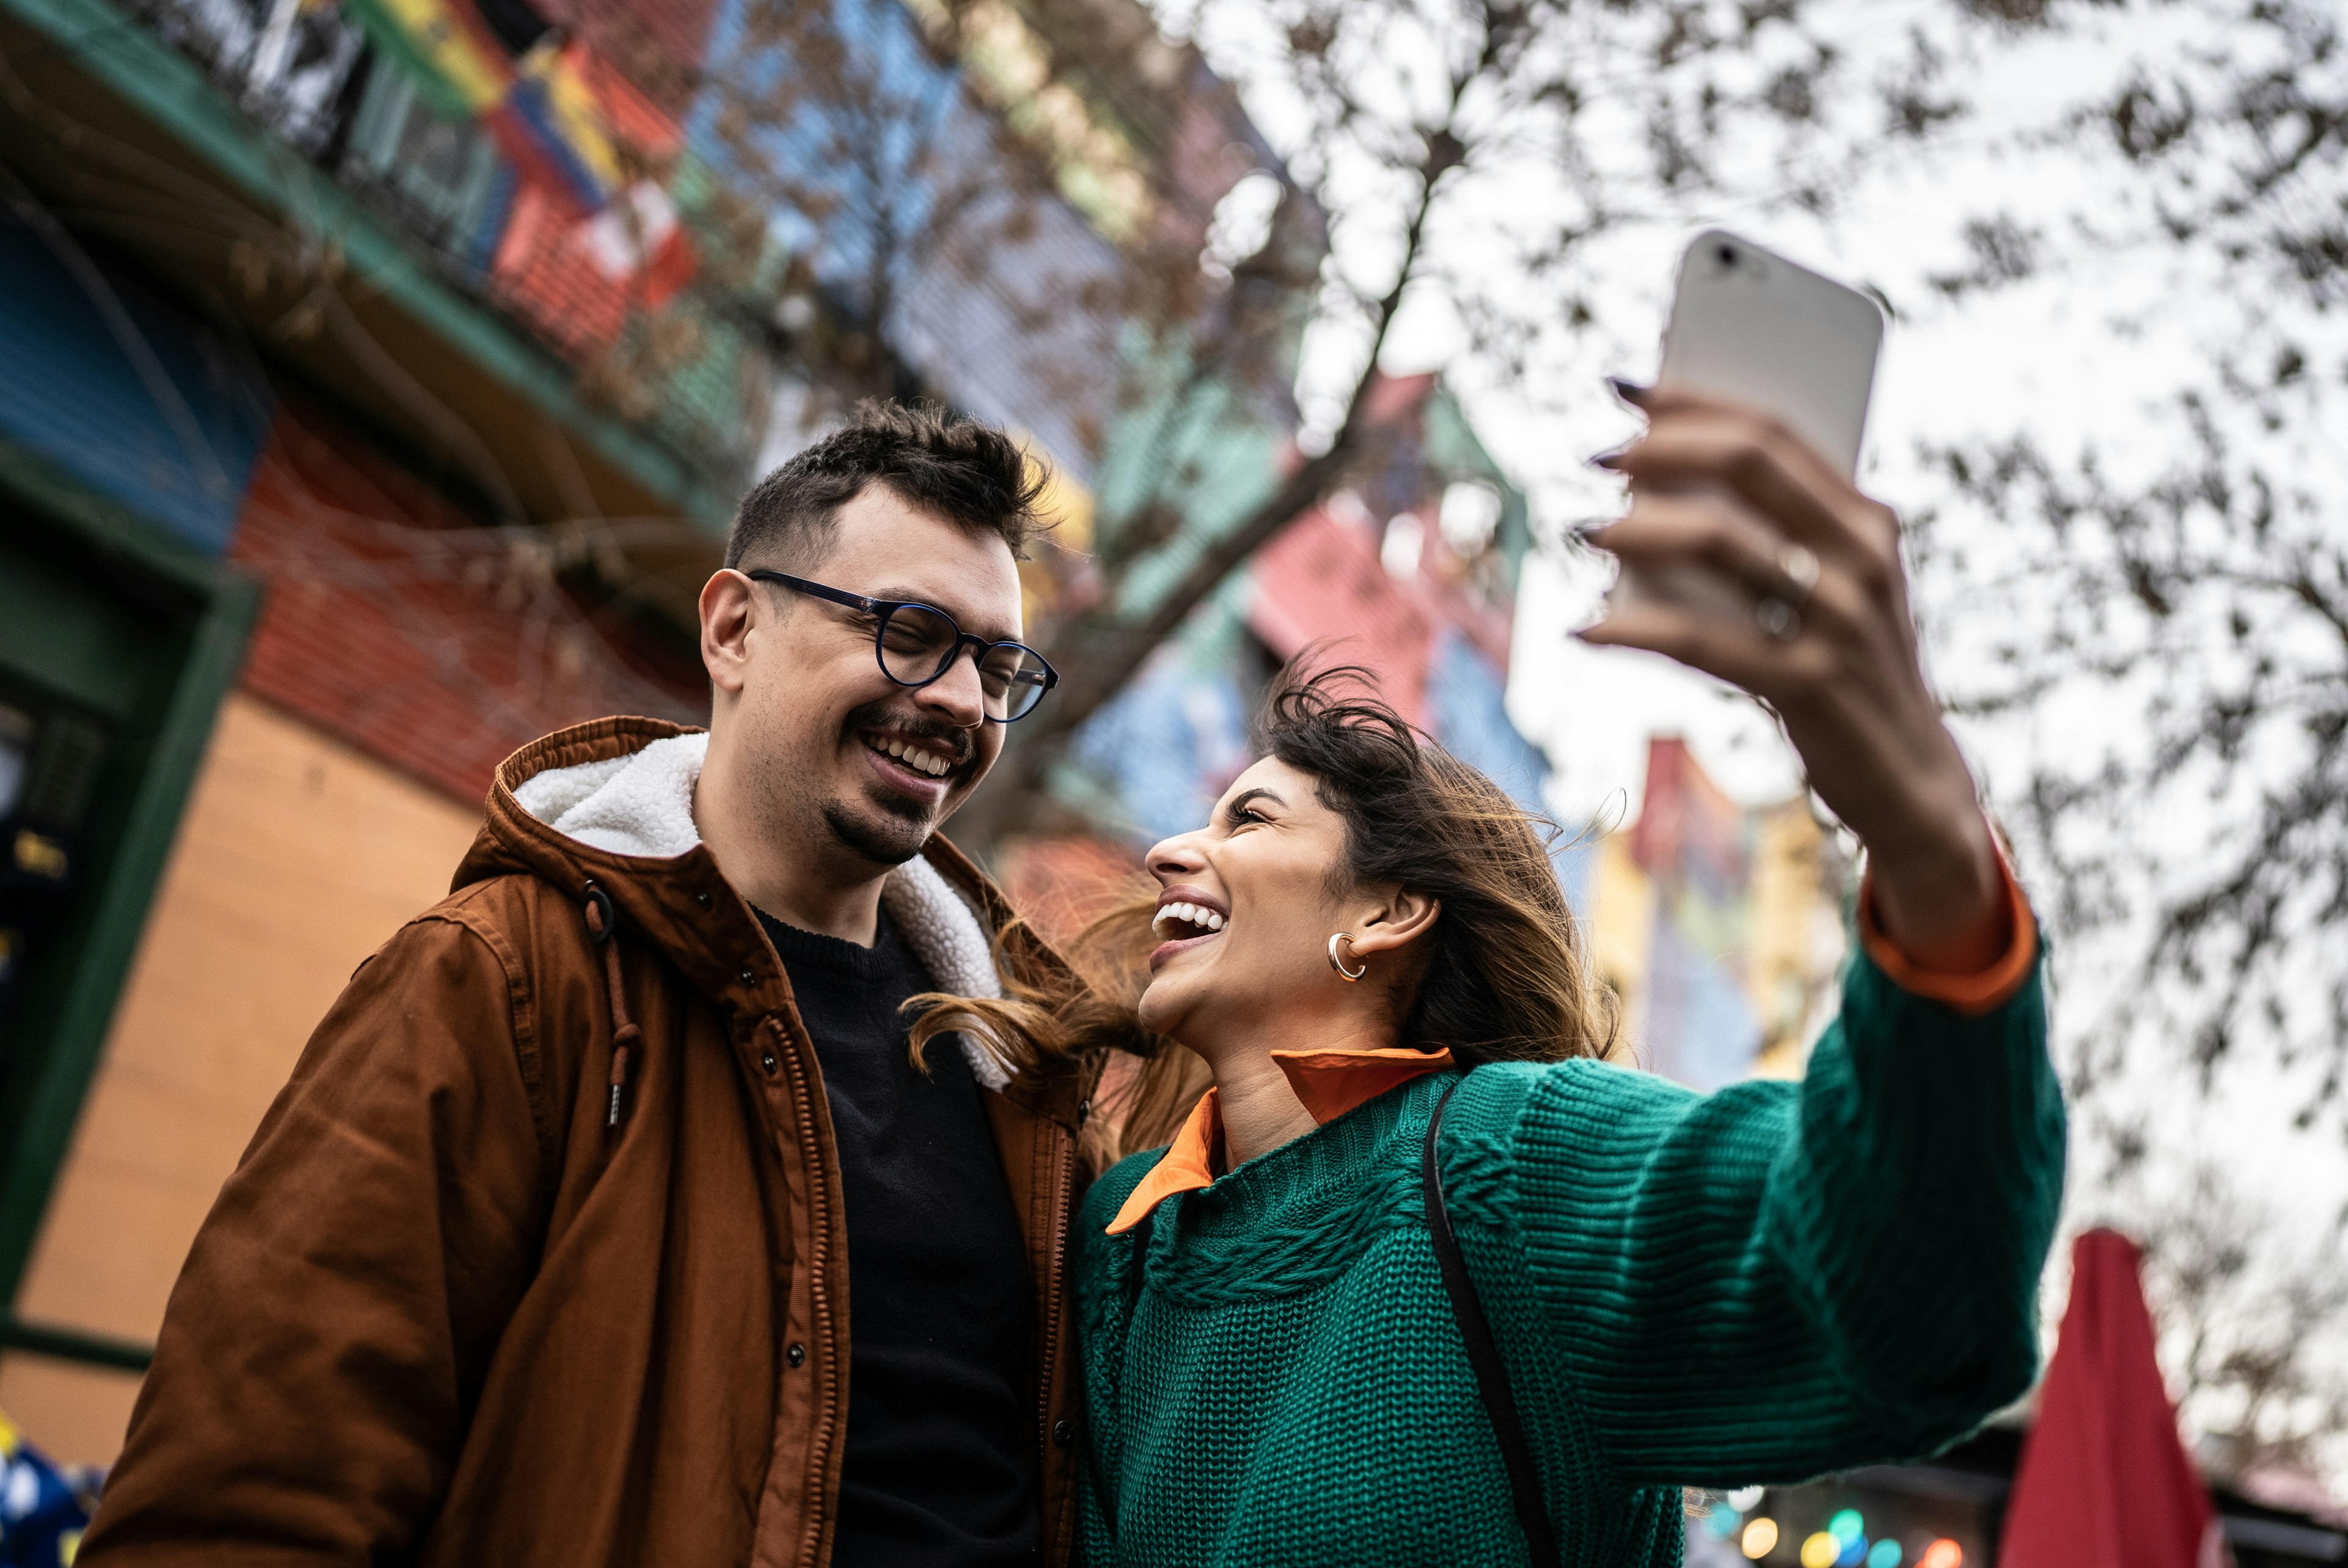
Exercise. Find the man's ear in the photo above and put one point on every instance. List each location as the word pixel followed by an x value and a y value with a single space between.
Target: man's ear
pixel 1397 920
pixel 729 609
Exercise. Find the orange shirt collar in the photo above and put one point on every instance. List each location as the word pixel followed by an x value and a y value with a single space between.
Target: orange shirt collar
pixel 1328 1082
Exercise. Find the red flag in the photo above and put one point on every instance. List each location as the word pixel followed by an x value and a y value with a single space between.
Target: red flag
pixel 2104 1481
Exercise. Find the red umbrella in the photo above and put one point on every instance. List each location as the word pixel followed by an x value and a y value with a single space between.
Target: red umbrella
pixel 2104 1481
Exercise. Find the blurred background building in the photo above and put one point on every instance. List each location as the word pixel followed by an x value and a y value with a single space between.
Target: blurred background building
pixel 1721 927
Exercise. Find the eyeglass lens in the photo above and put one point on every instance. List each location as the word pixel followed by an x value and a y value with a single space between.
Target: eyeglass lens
pixel 917 643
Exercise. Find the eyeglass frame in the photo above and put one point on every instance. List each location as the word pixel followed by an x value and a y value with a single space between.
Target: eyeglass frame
pixel 881 610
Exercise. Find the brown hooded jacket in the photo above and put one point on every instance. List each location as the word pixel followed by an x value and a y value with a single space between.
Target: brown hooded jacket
pixel 443 1313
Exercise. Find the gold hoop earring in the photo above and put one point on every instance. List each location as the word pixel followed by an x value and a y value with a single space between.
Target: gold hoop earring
pixel 1338 964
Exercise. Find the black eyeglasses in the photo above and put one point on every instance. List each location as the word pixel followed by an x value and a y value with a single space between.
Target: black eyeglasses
pixel 917 643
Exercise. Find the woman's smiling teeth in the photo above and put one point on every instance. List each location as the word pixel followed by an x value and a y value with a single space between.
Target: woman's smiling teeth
pixel 912 756
pixel 1205 919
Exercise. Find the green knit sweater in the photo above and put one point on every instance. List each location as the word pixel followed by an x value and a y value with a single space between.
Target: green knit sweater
pixel 1760 1285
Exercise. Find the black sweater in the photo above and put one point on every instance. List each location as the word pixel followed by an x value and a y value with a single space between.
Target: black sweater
pixel 936 1473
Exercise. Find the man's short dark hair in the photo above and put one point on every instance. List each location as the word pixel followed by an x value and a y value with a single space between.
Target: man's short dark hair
pixel 947 465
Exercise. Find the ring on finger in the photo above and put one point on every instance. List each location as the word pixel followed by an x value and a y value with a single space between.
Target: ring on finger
pixel 1780 616
pixel 1798 564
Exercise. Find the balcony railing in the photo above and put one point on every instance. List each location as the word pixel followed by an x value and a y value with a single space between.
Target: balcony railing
pixel 616 292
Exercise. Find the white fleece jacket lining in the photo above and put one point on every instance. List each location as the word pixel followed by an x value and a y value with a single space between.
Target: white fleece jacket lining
pixel 642 805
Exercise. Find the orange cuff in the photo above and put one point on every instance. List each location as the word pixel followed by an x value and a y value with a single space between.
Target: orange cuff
pixel 1974 994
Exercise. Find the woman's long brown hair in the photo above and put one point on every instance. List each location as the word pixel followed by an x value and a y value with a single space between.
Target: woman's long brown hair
pixel 1505 978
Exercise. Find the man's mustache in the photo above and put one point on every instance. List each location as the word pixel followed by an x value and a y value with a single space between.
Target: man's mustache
pixel 949 741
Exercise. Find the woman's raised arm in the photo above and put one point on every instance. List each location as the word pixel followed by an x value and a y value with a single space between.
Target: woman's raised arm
pixel 1725 491
pixel 1778 1280
pixel 1775 1280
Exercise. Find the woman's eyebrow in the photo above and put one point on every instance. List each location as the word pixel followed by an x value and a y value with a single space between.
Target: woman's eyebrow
pixel 1241 802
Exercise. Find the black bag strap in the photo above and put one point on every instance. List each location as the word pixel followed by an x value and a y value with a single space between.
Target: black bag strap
pixel 1491 1377
pixel 1136 1261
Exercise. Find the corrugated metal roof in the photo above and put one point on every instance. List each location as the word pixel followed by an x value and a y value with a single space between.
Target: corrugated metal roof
pixel 123 392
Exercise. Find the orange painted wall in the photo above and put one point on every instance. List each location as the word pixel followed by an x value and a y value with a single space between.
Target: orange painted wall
pixel 296 858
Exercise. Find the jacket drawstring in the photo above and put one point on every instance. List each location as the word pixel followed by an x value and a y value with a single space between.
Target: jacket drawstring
pixel 602 924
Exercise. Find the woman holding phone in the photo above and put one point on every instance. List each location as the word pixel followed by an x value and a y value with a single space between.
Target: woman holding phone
pixel 1425 1278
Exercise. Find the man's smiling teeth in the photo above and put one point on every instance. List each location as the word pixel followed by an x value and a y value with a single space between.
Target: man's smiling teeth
pixel 1190 914
pixel 914 757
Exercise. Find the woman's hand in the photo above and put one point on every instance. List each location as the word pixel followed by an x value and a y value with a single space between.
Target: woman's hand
pixel 1725 491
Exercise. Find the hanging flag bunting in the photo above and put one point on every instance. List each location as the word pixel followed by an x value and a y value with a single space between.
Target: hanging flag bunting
pixel 541 111
pixel 554 114
pixel 457 67
pixel 639 241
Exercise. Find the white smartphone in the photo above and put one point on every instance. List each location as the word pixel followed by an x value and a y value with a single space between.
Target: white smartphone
pixel 1748 324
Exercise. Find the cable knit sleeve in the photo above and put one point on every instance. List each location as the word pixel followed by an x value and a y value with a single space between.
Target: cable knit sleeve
pixel 1777 1280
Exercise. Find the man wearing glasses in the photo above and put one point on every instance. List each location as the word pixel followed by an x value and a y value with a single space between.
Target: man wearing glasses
pixel 544 1254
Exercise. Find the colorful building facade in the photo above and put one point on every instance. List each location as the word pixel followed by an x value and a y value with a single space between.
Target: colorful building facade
pixel 1409 573
pixel 1720 927
pixel 253 679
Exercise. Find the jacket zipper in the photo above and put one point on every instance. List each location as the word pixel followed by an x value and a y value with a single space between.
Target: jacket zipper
pixel 819 1203
pixel 1063 1164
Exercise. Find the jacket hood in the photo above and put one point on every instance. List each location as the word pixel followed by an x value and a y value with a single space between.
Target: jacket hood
pixel 610 803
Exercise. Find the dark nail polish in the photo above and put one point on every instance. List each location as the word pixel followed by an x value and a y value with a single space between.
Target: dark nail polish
pixel 1609 461
pixel 1629 392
